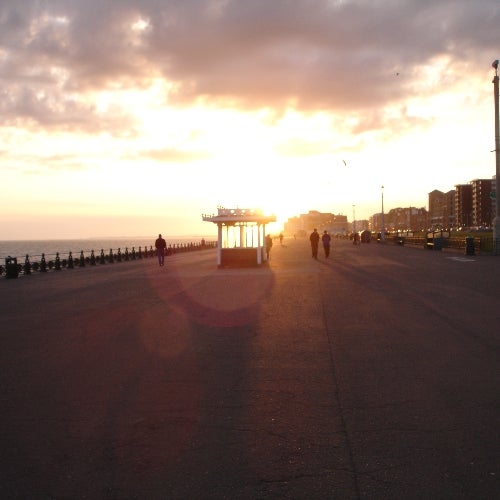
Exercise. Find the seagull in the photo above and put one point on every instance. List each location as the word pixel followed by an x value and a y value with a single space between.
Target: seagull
pixel 345 164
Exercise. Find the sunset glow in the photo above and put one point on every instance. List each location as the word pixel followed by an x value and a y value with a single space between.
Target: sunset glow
pixel 134 118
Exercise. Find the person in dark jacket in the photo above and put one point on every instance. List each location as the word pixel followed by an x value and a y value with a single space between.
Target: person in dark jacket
pixel 160 245
pixel 269 245
pixel 314 239
pixel 326 239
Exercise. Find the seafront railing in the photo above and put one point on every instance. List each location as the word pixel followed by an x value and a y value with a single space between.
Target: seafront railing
pixel 44 262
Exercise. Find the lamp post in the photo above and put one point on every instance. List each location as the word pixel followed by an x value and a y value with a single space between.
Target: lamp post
pixel 382 233
pixel 496 222
pixel 353 219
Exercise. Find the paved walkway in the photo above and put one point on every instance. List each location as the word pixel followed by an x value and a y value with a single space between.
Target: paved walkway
pixel 373 374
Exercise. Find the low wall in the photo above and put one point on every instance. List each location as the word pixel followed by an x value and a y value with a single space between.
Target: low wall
pixel 240 257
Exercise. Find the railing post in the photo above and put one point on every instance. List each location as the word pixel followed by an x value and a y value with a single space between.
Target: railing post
pixel 58 262
pixel 43 264
pixel 27 265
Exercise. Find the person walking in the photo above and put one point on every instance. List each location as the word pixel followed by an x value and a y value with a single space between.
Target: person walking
pixel 314 239
pixel 269 245
pixel 326 239
pixel 160 245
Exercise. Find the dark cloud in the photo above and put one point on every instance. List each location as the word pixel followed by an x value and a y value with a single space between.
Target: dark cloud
pixel 45 107
pixel 342 56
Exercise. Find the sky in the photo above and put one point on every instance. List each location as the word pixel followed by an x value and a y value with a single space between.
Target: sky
pixel 129 118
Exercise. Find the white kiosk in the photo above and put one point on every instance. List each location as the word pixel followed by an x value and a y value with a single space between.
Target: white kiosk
pixel 241 234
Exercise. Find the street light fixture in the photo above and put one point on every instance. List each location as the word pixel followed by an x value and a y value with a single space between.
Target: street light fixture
pixel 496 222
pixel 382 233
pixel 353 219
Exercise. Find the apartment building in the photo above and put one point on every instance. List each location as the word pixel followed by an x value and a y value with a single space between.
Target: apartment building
pixel 463 205
pixel 441 209
pixel 482 213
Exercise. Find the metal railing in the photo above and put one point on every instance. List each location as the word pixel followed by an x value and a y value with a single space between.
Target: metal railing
pixel 41 263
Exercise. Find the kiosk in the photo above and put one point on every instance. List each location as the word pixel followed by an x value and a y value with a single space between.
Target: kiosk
pixel 241 234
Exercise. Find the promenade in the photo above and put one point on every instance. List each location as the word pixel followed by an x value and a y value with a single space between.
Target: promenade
pixel 373 374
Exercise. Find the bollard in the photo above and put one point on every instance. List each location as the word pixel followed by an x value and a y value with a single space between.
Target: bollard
pixel 469 246
pixel 81 262
pixel 27 265
pixel 70 260
pixel 102 259
pixel 92 258
pixel 58 262
pixel 11 269
pixel 43 264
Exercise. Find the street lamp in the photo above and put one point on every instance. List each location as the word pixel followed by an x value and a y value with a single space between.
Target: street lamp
pixel 382 233
pixel 496 222
pixel 353 219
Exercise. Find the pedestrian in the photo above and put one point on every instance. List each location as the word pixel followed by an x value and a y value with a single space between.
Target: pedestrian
pixel 269 245
pixel 281 238
pixel 160 245
pixel 326 239
pixel 314 239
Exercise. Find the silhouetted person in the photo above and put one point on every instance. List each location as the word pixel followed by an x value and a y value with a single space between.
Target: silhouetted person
pixel 160 245
pixel 269 245
pixel 281 238
pixel 314 239
pixel 326 239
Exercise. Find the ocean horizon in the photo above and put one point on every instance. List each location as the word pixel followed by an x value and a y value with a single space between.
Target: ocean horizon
pixel 50 247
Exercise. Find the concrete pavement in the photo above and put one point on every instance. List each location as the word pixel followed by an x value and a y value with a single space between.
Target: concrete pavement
pixel 373 374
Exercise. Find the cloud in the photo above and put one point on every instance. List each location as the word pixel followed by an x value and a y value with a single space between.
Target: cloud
pixel 52 109
pixel 40 166
pixel 340 56
pixel 298 147
pixel 171 155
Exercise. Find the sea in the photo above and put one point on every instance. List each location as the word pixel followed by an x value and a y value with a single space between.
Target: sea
pixel 35 248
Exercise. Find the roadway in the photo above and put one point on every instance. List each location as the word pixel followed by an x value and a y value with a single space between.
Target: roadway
pixel 372 374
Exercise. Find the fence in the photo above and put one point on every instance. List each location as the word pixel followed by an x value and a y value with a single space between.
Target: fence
pixel 481 243
pixel 54 262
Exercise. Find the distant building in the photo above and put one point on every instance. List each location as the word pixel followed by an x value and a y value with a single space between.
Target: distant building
pixel 441 209
pixel 361 225
pixel 404 219
pixel 338 224
pixel 397 218
pixel 376 222
pixel 463 205
pixel 474 203
pixel 305 223
pixel 482 213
